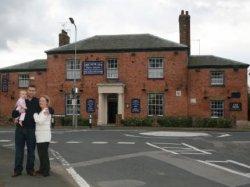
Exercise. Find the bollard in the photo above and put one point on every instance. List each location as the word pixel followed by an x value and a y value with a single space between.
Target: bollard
pixel 52 121
pixel 90 120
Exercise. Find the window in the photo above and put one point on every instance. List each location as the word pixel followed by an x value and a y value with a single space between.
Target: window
pixel 155 68
pixel 73 68
pixel 69 105
pixel 217 78
pixel 112 70
pixel 217 109
pixel 23 80
pixel 155 104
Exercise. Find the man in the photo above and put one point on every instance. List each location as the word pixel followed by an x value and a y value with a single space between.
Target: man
pixel 26 134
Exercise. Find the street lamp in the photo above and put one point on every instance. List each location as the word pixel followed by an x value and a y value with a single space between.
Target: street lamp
pixel 75 90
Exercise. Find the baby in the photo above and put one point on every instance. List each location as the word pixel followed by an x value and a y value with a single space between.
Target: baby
pixel 21 107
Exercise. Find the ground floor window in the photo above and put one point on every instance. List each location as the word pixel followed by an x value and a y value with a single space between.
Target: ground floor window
pixel 217 108
pixel 155 104
pixel 69 105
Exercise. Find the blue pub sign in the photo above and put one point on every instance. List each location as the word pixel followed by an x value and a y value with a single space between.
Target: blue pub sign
pixel 90 105
pixel 135 106
pixel 5 82
pixel 93 68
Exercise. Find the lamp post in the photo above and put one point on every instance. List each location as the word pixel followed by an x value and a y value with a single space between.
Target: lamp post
pixel 75 90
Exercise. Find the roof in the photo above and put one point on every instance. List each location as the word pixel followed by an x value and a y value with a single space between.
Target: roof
pixel 39 64
pixel 210 61
pixel 124 42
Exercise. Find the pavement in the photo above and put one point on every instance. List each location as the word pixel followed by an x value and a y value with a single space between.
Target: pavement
pixel 138 157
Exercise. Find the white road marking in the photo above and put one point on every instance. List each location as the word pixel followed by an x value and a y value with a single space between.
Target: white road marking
pixel 166 143
pixel 229 161
pixel 238 163
pixel 155 146
pixel 199 150
pixel 78 179
pixel 126 143
pixel 224 135
pixel 130 135
pixel 73 142
pixel 99 142
pixel 184 148
pixel 179 148
pixel 53 142
pixel 224 168
pixel 4 141
pixel 8 145
pixel 174 134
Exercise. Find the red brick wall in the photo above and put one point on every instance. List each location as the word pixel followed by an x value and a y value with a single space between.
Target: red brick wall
pixel 199 86
pixel 132 72
pixel 8 99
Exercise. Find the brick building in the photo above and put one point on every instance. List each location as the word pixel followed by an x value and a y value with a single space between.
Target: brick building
pixel 134 75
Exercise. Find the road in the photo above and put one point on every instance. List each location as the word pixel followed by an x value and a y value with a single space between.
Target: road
pixel 133 158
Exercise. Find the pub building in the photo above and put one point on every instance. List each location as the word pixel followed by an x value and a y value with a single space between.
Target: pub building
pixel 134 75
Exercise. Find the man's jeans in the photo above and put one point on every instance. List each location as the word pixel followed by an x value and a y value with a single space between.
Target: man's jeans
pixel 22 136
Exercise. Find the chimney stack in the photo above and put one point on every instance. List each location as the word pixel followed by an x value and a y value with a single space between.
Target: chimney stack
pixel 63 38
pixel 184 27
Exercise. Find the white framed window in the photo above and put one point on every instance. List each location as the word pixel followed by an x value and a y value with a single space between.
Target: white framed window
pixel 217 78
pixel 73 69
pixel 155 104
pixel 112 69
pixel 217 108
pixel 155 68
pixel 69 105
pixel 23 80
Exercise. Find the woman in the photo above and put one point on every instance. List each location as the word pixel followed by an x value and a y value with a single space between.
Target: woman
pixel 43 135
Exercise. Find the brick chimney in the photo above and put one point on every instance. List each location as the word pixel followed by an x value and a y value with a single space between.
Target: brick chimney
pixel 184 26
pixel 63 38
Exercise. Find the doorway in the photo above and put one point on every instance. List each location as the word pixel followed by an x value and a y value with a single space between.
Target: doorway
pixel 112 102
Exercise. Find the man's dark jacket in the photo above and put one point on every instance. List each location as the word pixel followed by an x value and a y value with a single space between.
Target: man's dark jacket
pixel 32 108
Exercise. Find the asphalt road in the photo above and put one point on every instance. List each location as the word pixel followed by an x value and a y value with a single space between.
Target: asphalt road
pixel 127 158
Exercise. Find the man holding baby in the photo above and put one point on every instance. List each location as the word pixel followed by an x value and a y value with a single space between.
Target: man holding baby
pixel 25 132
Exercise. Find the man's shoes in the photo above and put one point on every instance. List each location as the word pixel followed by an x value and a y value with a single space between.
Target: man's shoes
pixel 38 172
pixel 16 174
pixel 31 173
pixel 46 174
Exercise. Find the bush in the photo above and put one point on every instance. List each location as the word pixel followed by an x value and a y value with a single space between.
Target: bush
pixel 148 121
pixel 67 121
pixel 168 121
pixel 6 120
pixel 213 123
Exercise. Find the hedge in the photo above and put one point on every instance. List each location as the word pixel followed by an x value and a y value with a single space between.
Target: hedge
pixel 67 121
pixel 169 121
pixel 148 121
pixel 213 123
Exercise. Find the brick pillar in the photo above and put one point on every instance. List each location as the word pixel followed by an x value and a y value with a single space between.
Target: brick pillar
pixel 184 27
pixel 63 38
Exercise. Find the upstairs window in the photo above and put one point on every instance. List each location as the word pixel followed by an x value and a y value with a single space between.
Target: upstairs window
pixel 217 78
pixel 73 69
pixel 112 69
pixel 23 80
pixel 155 68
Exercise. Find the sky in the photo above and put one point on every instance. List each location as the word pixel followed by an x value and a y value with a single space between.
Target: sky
pixel 30 27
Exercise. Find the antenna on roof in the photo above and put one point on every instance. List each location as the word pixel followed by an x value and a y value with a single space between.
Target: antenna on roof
pixel 199 43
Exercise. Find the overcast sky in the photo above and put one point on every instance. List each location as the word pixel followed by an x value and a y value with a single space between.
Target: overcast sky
pixel 28 28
